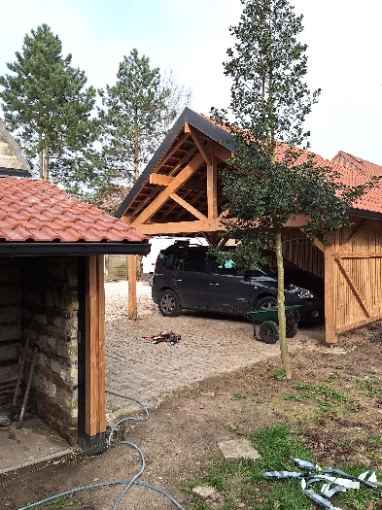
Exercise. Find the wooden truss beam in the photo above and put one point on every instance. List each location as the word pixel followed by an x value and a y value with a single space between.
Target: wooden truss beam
pixel 166 180
pixel 182 227
pixel 178 181
pixel 188 206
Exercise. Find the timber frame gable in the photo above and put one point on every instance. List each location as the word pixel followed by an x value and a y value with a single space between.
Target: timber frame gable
pixel 179 192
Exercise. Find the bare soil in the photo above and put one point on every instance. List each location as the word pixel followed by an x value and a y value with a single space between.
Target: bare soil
pixel 181 437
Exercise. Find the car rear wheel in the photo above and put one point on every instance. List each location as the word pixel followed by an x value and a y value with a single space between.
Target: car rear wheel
pixel 169 304
pixel 266 302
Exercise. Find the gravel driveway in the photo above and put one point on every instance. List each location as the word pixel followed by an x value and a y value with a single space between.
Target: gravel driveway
pixel 210 345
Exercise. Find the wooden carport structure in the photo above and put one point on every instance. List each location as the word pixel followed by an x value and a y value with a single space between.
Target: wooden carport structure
pixel 180 193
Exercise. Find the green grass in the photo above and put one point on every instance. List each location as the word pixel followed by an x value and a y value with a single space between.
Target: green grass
pixel 278 374
pixel 58 504
pixel 242 481
pixel 239 396
pixel 329 400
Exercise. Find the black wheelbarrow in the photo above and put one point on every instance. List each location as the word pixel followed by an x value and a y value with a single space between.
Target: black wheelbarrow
pixel 269 327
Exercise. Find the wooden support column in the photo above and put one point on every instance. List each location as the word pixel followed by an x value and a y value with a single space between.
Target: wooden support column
pixel 212 189
pixel 95 400
pixel 330 302
pixel 132 283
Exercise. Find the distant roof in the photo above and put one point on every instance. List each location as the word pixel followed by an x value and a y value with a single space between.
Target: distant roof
pixel 35 210
pixel 12 162
pixel 357 163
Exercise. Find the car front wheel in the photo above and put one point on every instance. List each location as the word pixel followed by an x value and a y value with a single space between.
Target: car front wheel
pixel 266 302
pixel 169 304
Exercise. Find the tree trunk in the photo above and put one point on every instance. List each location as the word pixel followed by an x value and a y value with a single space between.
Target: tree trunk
pixel 40 156
pixel 136 146
pixel 41 159
pixel 281 306
pixel 46 163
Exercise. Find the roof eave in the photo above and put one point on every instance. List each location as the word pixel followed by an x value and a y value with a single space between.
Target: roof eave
pixel 13 172
pixel 28 249
pixel 364 213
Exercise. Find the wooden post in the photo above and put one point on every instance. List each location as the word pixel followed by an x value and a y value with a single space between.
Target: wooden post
pixel 212 190
pixel 95 400
pixel 330 316
pixel 132 283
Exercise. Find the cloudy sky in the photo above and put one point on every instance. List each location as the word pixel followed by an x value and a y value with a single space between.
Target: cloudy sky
pixel 191 38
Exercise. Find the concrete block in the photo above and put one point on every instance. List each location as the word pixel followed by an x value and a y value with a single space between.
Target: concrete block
pixel 238 449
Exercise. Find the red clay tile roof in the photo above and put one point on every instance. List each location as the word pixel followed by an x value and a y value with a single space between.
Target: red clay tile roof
pixel 351 176
pixel 348 160
pixel 40 211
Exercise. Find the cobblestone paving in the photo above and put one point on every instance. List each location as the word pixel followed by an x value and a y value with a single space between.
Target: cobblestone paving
pixel 210 345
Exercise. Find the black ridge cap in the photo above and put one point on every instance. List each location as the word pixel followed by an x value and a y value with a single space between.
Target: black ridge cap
pixel 23 249
pixel 13 172
pixel 207 127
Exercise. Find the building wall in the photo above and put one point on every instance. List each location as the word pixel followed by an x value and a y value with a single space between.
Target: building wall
pixel 10 326
pixel 50 300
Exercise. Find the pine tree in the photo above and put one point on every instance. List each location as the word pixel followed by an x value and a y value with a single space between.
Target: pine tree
pixel 139 110
pixel 269 102
pixel 47 105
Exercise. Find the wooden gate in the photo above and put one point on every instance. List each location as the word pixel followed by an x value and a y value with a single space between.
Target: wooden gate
pixel 353 278
pixel 116 267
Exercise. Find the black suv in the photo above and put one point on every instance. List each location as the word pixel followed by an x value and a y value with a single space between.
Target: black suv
pixel 188 277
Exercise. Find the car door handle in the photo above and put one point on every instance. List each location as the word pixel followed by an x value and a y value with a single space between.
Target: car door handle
pixel 178 280
pixel 215 284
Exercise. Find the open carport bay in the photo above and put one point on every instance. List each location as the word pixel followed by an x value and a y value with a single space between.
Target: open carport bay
pixel 210 345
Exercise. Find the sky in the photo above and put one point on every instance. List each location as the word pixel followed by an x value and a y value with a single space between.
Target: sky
pixel 190 38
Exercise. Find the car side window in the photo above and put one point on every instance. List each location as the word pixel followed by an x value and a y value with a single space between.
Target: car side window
pixel 195 261
pixel 226 268
pixel 168 261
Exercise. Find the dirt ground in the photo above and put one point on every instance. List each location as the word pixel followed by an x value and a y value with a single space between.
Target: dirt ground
pixel 182 434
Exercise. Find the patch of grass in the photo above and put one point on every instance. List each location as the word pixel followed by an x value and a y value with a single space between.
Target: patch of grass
pixel 333 377
pixel 278 374
pixel 199 505
pixel 58 504
pixel 242 481
pixel 327 398
pixel 214 480
pixel 239 396
pixel 369 387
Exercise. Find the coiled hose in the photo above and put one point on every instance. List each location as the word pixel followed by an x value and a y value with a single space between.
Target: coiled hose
pixel 127 483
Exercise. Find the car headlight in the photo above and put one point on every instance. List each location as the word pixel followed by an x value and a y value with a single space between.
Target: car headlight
pixel 301 292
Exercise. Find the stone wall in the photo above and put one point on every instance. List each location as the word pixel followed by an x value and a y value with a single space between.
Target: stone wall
pixel 50 297
pixel 10 326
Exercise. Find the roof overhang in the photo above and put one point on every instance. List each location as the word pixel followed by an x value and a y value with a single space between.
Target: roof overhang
pixel 33 249
pixel 5 172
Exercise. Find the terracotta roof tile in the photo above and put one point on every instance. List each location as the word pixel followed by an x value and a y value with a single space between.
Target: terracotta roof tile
pixel 43 212
pixel 352 170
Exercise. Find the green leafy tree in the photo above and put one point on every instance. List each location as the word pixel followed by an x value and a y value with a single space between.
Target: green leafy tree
pixel 139 110
pixel 265 186
pixel 47 105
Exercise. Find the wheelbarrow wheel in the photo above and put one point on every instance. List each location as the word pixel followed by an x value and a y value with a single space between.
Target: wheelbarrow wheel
pixel 291 330
pixel 269 332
